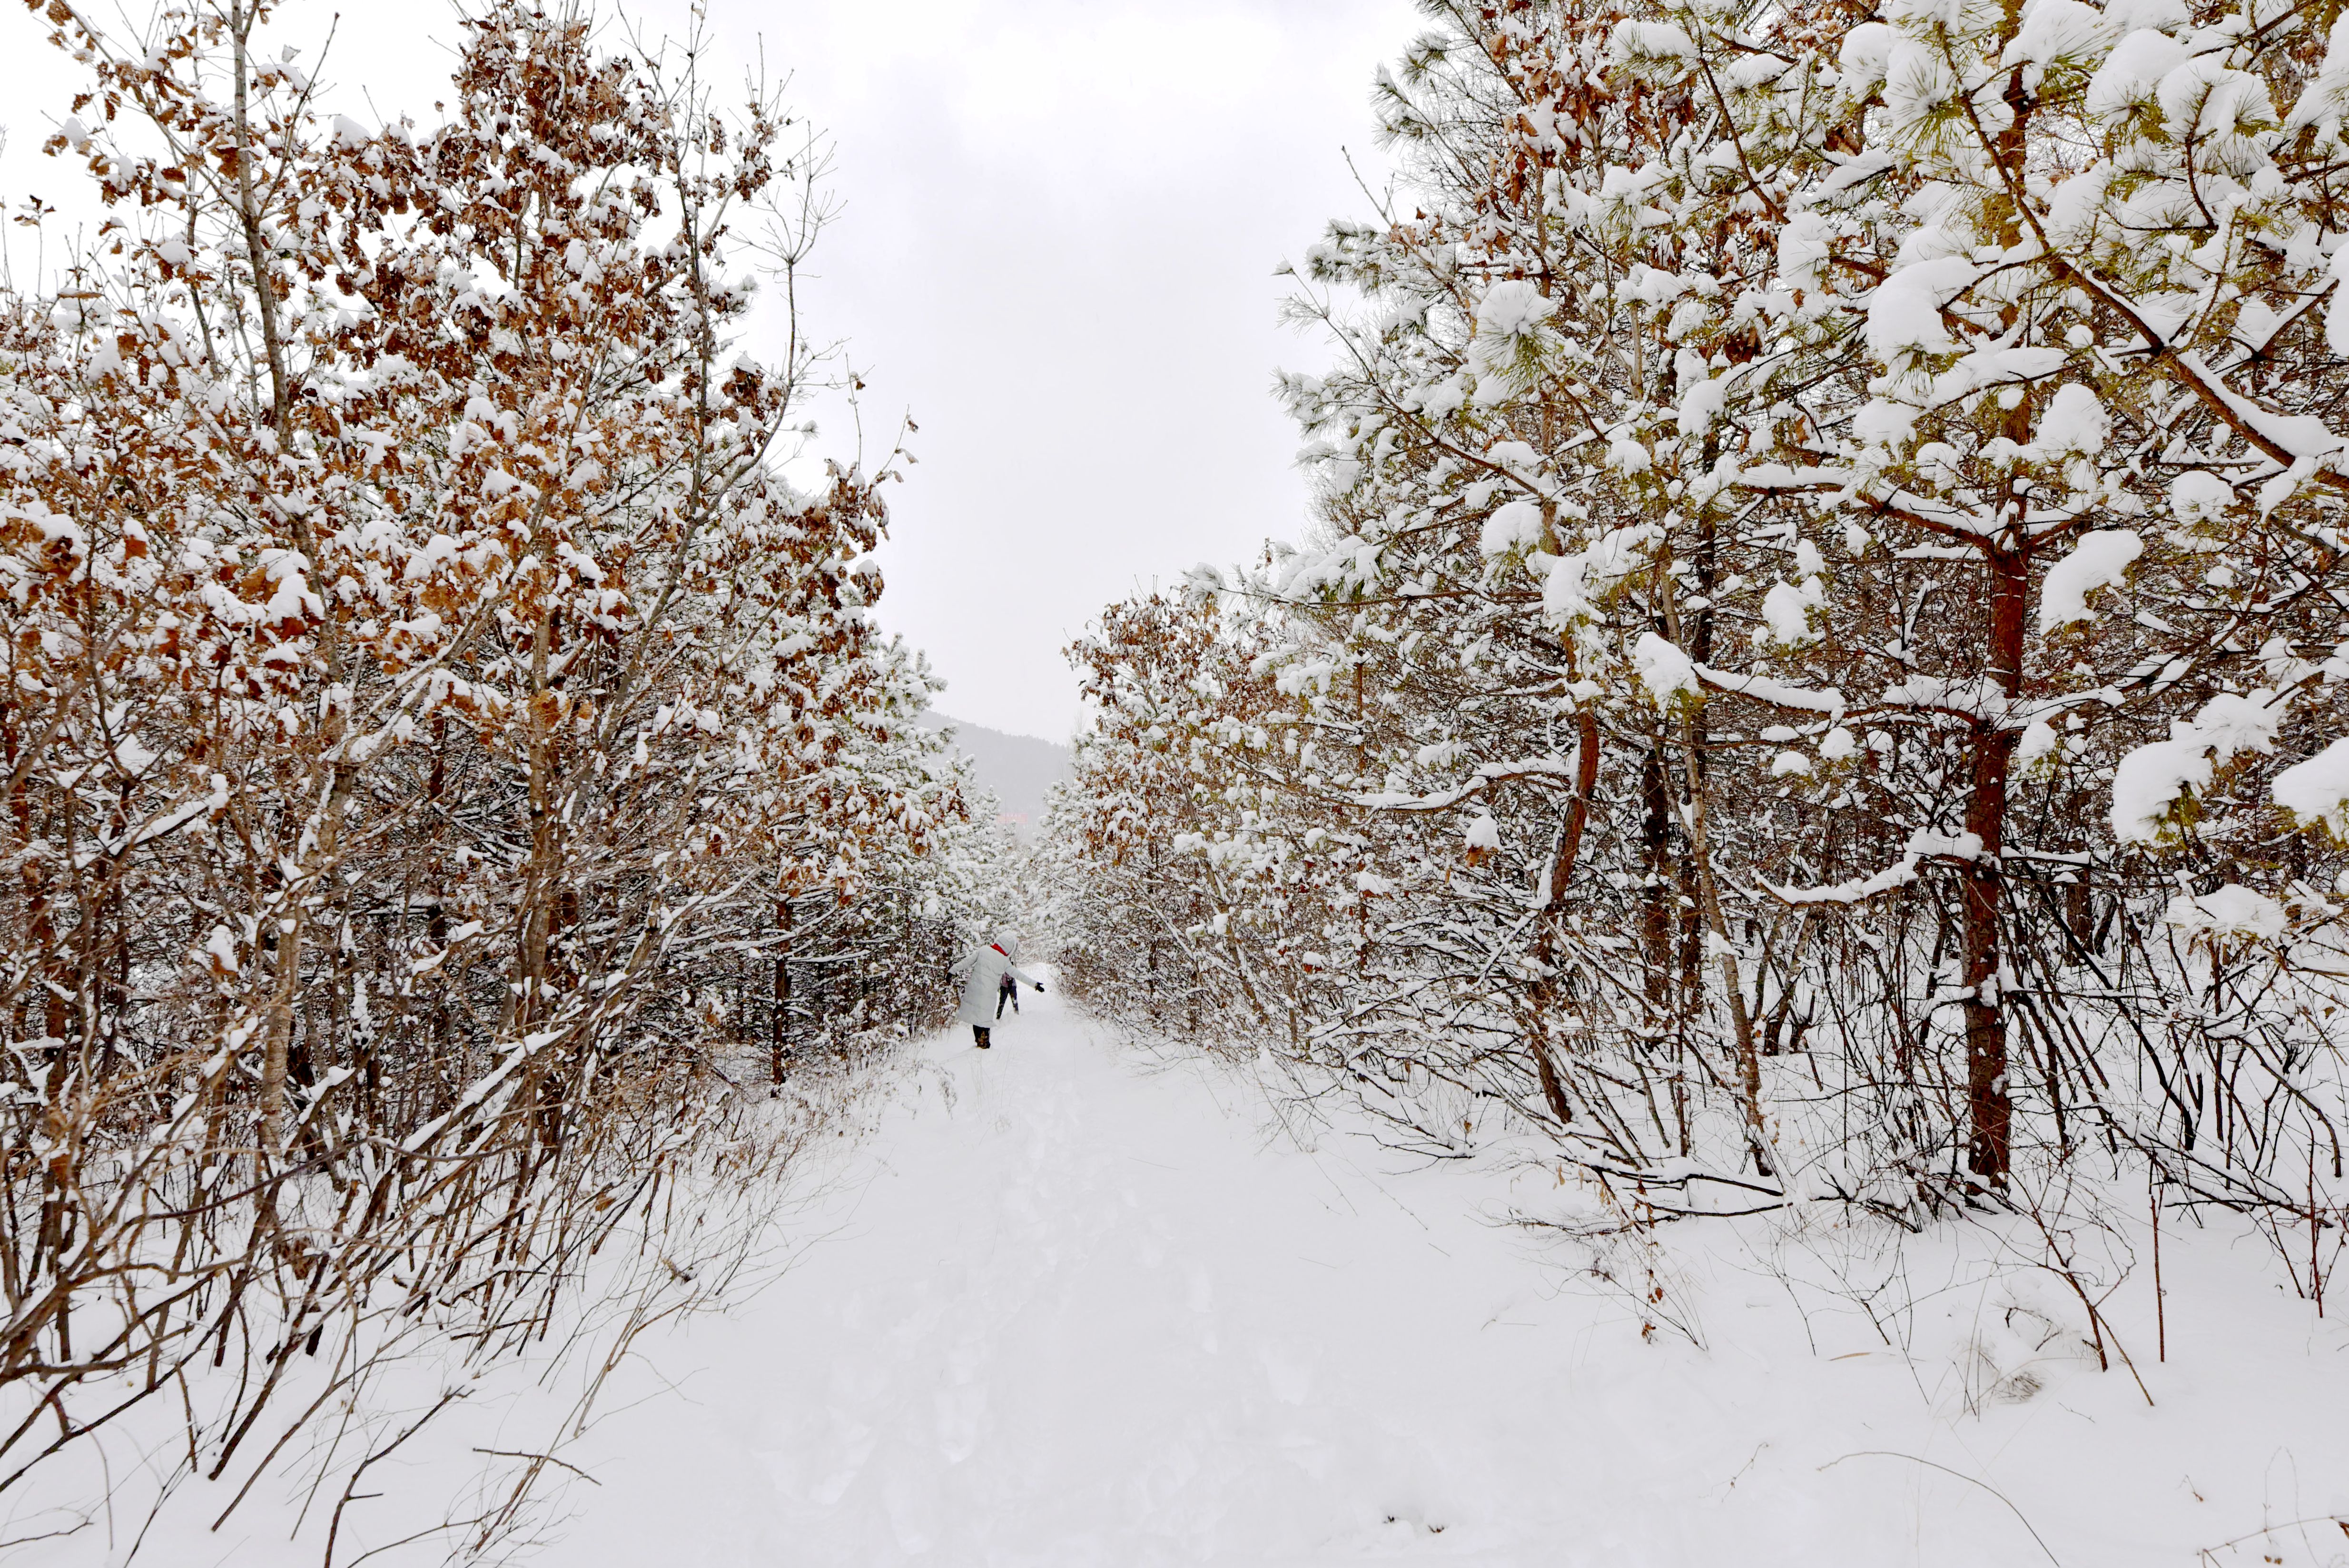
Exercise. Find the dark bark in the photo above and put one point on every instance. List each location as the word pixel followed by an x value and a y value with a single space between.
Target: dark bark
pixel 1990 1110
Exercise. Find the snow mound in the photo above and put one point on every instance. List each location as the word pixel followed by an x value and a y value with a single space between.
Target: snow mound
pixel 2101 560
pixel 2317 791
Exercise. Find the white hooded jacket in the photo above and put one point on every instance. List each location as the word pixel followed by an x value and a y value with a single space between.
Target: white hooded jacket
pixel 983 969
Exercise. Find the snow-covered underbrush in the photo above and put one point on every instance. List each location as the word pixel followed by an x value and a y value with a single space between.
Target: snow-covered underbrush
pixel 2208 1089
pixel 2155 1268
pixel 416 1412
pixel 2119 1384
pixel 2091 1365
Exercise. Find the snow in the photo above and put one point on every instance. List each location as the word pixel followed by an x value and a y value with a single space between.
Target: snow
pixel 1980 697
pixel 1663 668
pixel 1787 613
pixel 1701 405
pixel 293 601
pixel 2147 782
pixel 2054 30
pixel 1512 310
pixel 2318 790
pixel 2229 910
pixel 2075 423
pixel 2322 96
pixel 1917 82
pixel 1509 322
pixel 2039 740
pixel 1517 525
pixel 2197 495
pixel 1520 458
pixel 1099 1308
pixel 1635 40
pixel 1625 455
pixel 1865 55
pixel 2236 722
pixel 1487 775
pixel 1923 845
pixel 2306 437
pixel 1881 423
pixel 1905 312
pixel 440 549
pixel 1572 581
pixel 2132 71
pixel 1073 1305
pixel 2100 560
pixel 1803 245
pixel 1762 688
pixel 2205 97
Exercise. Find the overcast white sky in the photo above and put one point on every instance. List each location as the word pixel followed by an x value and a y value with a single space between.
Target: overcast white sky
pixel 1060 226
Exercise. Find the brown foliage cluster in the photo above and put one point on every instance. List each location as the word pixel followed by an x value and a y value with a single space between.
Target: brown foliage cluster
pixel 435 727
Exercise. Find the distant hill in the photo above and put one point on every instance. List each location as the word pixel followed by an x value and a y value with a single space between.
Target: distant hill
pixel 1018 769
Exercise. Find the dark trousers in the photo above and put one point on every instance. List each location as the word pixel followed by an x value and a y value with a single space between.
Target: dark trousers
pixel 1007 991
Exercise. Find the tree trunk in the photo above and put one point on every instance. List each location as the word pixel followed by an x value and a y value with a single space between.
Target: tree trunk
pixel 1710 918
pixel 1556 874
pixel 1990 1111
pixel 1733 983
pixel 1656 898
pixel 278 1044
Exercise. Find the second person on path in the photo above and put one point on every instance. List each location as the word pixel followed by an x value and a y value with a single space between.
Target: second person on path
pixel 984 972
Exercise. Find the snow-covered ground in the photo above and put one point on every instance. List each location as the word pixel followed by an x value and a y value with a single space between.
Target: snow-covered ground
pixel 1079 1307
pixel 1069 1304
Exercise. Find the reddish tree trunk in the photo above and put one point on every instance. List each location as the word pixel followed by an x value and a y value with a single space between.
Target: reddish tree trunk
pixel 1561 872
pixel 1990 1111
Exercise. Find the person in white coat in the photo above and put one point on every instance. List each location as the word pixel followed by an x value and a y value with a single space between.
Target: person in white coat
pixel 982 971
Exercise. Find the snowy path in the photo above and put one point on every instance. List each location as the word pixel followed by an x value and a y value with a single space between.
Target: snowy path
pixel 1091 1316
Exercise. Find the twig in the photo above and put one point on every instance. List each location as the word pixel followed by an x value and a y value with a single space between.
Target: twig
pixel 548 1459
pixel 1972 1480
pixel 335 1524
